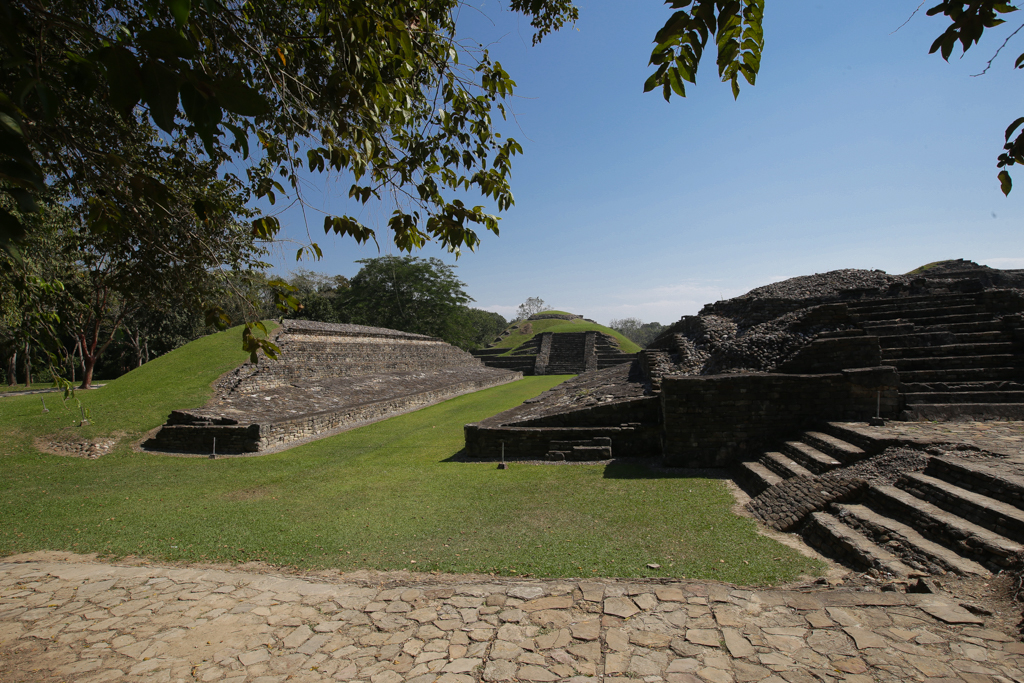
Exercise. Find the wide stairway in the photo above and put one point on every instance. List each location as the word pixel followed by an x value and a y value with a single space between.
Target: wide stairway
pixel 568 354
pixel 957 357
pixel 959 515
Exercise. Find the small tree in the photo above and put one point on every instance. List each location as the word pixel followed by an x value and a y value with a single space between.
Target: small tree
pixel 532 305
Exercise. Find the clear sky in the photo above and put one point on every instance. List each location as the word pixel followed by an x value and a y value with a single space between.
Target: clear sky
pixel 856 149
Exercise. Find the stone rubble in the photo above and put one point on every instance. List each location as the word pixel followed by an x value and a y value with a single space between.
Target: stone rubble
pixel 69 618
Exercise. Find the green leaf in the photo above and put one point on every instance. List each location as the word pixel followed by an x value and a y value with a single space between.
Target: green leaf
pixel 1005 183
pixel 180 10
pixel 166 43
pixel 123 78
pixel 160 92
pixel 1013 126
pixel 239 98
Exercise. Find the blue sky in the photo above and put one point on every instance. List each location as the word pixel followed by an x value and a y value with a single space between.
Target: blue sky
pixel 856 149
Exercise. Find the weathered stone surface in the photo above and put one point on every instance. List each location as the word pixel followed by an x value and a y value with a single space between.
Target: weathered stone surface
pixel 889 637
pixel 620 607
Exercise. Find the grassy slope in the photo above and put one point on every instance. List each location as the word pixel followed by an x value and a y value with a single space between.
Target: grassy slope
pixel 516 339
pixel 376 497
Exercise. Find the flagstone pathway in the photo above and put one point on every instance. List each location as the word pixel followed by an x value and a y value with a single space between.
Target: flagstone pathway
pixel 74 619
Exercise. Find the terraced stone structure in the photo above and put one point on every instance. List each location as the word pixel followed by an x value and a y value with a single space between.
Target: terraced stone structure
pixel 330 378
pixel 558 353
pixel 779 385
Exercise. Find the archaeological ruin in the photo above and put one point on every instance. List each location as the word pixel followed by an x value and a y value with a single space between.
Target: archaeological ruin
pixel 557 353
pixel 330 378
pixel 789 385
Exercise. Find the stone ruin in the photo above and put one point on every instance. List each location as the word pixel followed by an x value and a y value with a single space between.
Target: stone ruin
pixel 330 378
pixel 783 384
pixel 557 353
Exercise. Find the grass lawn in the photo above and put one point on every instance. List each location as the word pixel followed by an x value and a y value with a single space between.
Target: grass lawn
pixel 516 338
pixel 385 496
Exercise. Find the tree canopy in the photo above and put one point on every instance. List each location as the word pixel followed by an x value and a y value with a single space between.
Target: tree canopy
pixel 383 90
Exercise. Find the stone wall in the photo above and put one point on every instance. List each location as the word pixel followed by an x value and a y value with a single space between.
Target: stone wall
pixel 341 356
pixel 715 421
pixel 834 354
pixel 329 378
pixel 188 433
pixel 533 443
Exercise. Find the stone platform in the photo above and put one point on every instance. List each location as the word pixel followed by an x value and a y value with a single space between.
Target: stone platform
pixel 69 618
pixel 330 378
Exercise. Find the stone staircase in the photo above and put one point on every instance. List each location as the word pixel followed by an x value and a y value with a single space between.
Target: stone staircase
pixel 569 354
pixel 608 352
pixel 522 359
pixel 957 354
pixel 959 515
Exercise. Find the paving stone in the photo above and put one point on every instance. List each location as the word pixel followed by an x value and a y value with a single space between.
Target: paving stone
pixel 586 630
pixel 703 636
pixel 555 602
pixel 500 670
pixel 620 607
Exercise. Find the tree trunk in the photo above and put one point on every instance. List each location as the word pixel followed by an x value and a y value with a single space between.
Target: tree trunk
pixel 27 362
pixel 88 363
pixel 12 368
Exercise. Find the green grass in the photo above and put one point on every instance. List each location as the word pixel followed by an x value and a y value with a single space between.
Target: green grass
pixel 927 266
pixel 517 339
pixel 385 496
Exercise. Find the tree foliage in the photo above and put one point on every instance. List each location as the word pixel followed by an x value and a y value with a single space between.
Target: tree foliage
pixel 735 28
pixel 405 293
pixel 532 305
pixel 636 330
pixel 383 90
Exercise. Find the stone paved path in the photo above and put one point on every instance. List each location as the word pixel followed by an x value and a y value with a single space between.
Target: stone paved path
pixel 996 436
pixel 65 618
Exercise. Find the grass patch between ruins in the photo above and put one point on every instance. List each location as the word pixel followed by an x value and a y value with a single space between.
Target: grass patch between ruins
pixel 385 496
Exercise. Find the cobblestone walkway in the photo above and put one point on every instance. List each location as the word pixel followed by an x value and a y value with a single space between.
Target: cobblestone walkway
pixel 70 619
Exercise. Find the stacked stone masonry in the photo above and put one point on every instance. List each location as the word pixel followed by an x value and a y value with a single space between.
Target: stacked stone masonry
pixel 329 378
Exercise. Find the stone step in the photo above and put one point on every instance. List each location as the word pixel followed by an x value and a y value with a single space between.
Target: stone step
pixel 942 338
pixel 912 313
pixel 979 478
pixel 966 538
pixel 991 374
pixel 843 451
pixel 949 350
pixel 922 301
pixel 908 544
pixel 936 320
pixel 922 387
pixel 755 478
pixel 939 412
pixel 833 538
pixel 900 329
pixel 954 362
pixel 810 457
pixel 783 466
pixel 1002 518
pixel 933 397
pixel 852 433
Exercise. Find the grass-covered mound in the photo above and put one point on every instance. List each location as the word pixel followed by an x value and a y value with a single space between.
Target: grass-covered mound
pixel 519 334
pixel 385 496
